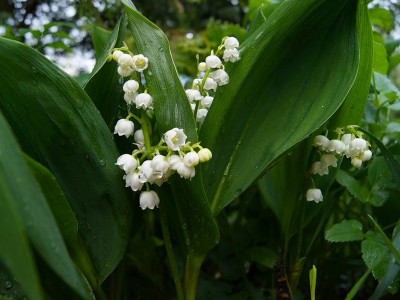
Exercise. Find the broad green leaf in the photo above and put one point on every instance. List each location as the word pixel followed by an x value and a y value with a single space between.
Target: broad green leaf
pixel 100 36
pixel 37 218
pixel 355 188
pixel 284 90
pixel 57 202
pixel 103 85
pixel 171 107
pixel 345 231
pixel 15 251
pixel 60 127
pixel 352 109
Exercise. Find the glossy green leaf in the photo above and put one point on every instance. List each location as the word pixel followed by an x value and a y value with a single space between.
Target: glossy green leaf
pixel 56 200
pixel 15 251
pixel 60 127
pixel 283 88
pixel 345 231
pixel 37 219
pixel 103 85
pixel 100 36
pixel 352 109
pixel 171 107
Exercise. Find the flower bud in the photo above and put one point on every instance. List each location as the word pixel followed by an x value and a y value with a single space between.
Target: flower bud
pixel 231 55
pixel 131 86
pixel 124 72
pixel 201 114
pixel 202 67
pixel 116 55
pixel 207 101
pixel 204 155
pixel 210 84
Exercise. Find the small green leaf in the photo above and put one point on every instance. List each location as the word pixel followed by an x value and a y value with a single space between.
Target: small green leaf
pixel 355 188
pixel 345 231
pixel 381 17
pixel 376 254
pixel 380 62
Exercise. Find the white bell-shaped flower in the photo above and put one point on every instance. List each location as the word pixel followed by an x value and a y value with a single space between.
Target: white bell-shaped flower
pixel 318 168
pixel 193 95
pixel 125 61
pixel 173 161
pixel 231 43
pixel 201 114
pixel 139 137
pixel 213 61
pixel 231 55
pixel 124 72
pixel 159 165
pixel 140 62
pixel 124 127
pixel 131 86
pixel 175 138
pixel 321 141
pixel 191 159
pixel 149 199
pixel 127 163
pixel 204 155
pixel 358 144
pixel 347 138
pixel 197 83
pixel 220 77
pixel 144 101
pixel 132 181
pixel 328 160
pixel 314 195
pixel 145 171
pixel 184 171
pixel 207 101
pixel 130 98
pixel 336 146
pixel 210 84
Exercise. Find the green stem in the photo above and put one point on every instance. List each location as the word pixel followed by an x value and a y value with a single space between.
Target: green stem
pixel 146 129
pixel 170 252
pixel 192 269
pixel 357 286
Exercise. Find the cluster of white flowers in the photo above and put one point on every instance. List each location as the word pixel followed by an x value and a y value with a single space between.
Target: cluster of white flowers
pixel 211 74
pixel 149 164
pixel 129 63
pixel 350 145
